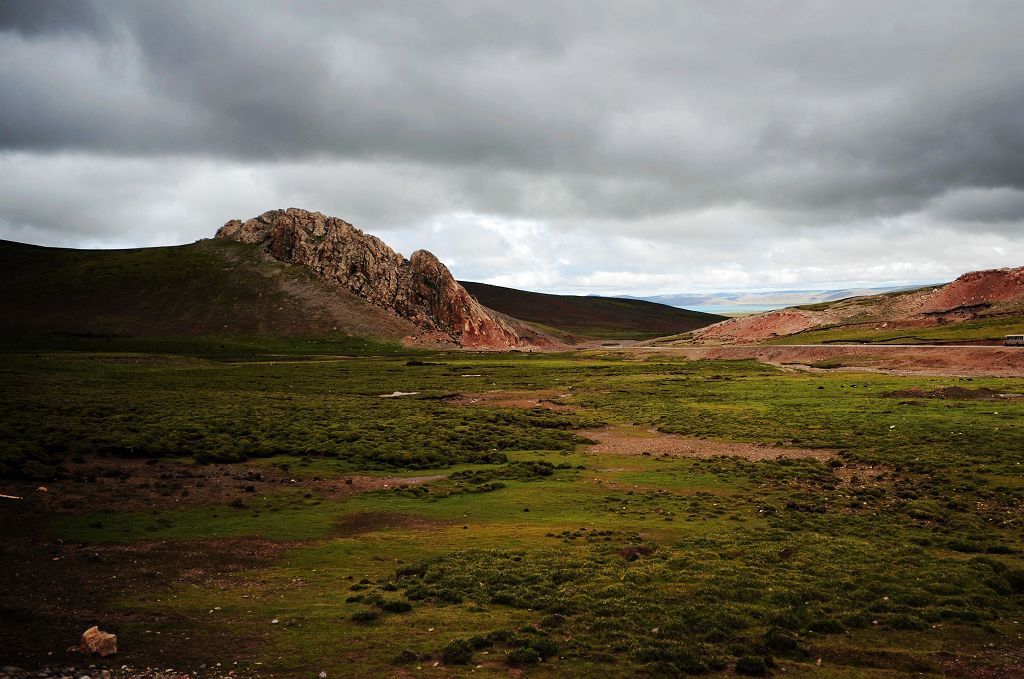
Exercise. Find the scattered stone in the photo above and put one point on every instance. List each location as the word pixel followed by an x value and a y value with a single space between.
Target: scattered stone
pixel 96 641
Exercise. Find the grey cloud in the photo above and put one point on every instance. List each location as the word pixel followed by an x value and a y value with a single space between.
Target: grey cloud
pixel 995 207
pixel 672 121
pixel 33 17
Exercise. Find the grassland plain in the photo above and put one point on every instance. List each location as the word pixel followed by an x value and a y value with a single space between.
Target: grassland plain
pixel 517 549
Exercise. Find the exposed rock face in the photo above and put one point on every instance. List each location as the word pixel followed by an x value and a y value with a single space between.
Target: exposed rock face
pixel 96 641
pixel 978 288
pixel 420 288
pixel 971 296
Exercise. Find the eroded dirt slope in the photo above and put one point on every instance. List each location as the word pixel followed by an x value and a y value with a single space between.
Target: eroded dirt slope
pixel 975 295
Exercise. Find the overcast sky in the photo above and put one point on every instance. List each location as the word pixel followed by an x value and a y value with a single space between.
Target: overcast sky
pixel 608 147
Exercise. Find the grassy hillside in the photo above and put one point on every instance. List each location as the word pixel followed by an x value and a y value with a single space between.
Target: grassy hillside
pixel 209 288
pixel 593 317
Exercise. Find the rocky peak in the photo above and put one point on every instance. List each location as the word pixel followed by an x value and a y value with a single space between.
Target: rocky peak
pixel 420 289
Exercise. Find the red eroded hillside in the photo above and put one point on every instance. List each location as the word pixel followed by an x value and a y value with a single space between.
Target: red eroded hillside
pixel 979 287
pixel 984 298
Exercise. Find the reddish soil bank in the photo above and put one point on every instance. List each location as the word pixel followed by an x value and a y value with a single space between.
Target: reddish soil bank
pixel 974 295
pixel 923 360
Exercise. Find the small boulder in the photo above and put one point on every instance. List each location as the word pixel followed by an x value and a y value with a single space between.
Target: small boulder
pixel 96 641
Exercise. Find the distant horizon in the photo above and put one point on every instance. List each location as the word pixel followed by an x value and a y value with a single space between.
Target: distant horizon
pixel 648 296
pixel 642 295
pixel 736 292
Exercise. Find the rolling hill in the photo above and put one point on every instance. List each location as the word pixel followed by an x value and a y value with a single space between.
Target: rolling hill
pixel 590 317
pixel 978 307
pixel 297 274
pixel 208 288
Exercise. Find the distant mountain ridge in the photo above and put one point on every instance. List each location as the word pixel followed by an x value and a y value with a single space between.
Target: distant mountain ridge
pixel 776 298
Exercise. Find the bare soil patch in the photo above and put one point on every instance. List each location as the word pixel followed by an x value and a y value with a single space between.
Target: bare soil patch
pixel 861 474
pixel 634 441
pixel 53 590
pixel 118 484
pixel 514 399
pixel 369 522
pixel 365 484
pixel 951 393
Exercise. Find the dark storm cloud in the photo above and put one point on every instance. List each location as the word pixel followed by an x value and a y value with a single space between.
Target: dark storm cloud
pixel 850 109
pixel 32 17
pixel 647 117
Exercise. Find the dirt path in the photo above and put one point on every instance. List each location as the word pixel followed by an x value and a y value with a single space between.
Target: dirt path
pixel 636 441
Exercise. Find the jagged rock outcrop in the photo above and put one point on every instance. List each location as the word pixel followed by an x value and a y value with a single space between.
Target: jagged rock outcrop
pixel 974 295
pixel 420 289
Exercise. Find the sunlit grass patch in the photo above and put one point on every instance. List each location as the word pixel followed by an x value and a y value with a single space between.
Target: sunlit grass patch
pixel 290 515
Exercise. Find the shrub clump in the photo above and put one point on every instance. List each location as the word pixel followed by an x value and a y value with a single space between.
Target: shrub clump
pixel 406 657
pixel 479 642
pixel 545 648
pixel 784 643
pixel 522 656
pixel 529 470
pixel 752 666
pixel 365 616
pixel 457 652
pixel 396 606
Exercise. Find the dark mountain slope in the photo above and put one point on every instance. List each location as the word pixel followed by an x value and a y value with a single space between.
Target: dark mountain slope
pixel 211 287
pixel 591 317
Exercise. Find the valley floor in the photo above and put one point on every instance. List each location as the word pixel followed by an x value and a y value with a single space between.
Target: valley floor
pixel 227 512
pixel 937 360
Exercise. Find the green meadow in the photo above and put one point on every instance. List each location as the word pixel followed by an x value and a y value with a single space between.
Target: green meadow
pixel 527 551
